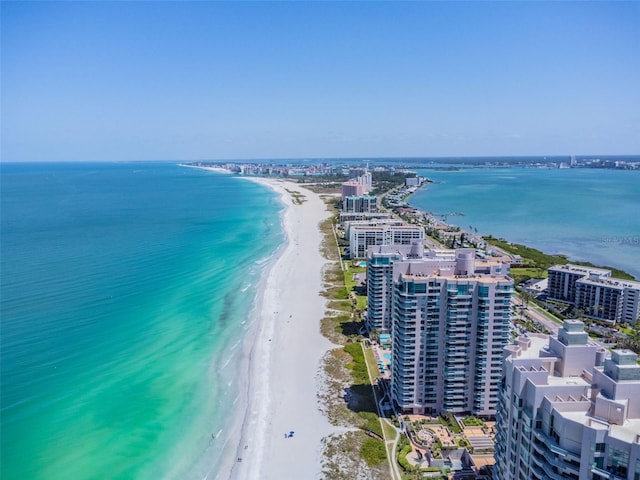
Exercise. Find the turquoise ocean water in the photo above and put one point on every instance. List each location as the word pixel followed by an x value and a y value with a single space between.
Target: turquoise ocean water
pixel 126 292
pixel 588 214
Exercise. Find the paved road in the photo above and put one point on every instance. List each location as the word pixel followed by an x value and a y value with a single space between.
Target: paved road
pixel 538 315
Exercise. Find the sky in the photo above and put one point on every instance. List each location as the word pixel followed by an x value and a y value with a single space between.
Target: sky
pixel 119 81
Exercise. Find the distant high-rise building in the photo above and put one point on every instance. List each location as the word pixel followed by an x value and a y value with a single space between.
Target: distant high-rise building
pixel 352 188
pixel 449 326
pixel 567 413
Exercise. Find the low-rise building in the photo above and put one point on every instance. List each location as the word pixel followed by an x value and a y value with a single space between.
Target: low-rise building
pixel 596 293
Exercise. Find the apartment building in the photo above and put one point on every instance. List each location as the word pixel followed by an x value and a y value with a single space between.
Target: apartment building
pixel 380 260
pixel 352 188
pixel 392 232
pixel 450 324
pixel 363 216
pixel 596 293
pixel 360 204
pixel 566 412
pixel 563 278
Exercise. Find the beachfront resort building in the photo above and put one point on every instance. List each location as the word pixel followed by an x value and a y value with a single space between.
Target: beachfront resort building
pixel 363 235
pixel 359 185
pixel 360 204
pixel 596 293
pixel 449 319
pixel 380 260
pixel 352 188
pixel 567 412
pixel 360 216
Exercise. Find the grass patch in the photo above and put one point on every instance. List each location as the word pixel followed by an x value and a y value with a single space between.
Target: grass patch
pixel 372 422
pixel 358 367
pixel 449 421
pixel 340 306
pixel 389 431
pixel 296 197
pixel 471 421
pixel 373 451
pixel 371 362
pixel 523 274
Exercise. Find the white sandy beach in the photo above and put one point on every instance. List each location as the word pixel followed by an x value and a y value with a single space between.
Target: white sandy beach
pixel 285 359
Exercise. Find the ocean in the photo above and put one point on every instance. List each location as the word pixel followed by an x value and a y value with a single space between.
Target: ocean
pixel 587 214
pixel 127 292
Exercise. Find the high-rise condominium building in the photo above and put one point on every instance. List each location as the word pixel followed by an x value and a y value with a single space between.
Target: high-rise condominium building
pixel 567 413
pixel 361 204
pixel 449 320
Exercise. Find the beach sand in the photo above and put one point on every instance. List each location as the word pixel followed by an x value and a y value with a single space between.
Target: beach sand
pixel 285 358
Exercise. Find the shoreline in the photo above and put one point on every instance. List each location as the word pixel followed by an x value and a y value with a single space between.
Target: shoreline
pixel 286 350
pixel 208 167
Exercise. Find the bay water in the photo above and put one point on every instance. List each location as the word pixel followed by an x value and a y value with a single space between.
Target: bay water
pixel 587 214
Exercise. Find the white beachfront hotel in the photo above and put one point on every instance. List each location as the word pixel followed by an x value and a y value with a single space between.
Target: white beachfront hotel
pixel 449 320
pixel 566 412
pixel 363 235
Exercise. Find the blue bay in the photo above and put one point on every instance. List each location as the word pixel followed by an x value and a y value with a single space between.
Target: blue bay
pixel 586 214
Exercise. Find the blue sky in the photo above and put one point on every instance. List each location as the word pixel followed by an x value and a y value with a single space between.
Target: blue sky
pixel 233 80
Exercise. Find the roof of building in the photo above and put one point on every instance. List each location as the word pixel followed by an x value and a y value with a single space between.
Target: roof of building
pixel 579 269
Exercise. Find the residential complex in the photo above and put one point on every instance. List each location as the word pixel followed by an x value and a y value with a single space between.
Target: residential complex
pixel 363 235
pixel 566 412
pixel 359 216
pixel 352 188
pixel 359 185
pixel 449 319
pixel 360 204
pixel 596 293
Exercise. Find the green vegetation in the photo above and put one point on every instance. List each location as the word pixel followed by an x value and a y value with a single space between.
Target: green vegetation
pixel 385 181
pixel 371 361
pixel 471 421
pixel 372 422
pixel 404 448
pixel 389 430
pixel 373 451
pixel 449 421
pixel 523 274
pixel 351 286
pixel 296 197
pixel 463 443
pixel 358 367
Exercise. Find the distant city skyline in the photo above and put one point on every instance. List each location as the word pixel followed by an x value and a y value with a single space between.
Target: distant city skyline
pixel 118 81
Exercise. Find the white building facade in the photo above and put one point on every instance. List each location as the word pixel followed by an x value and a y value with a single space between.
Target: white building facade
pixel 566 412
pixel 362 236
pixel 594 291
